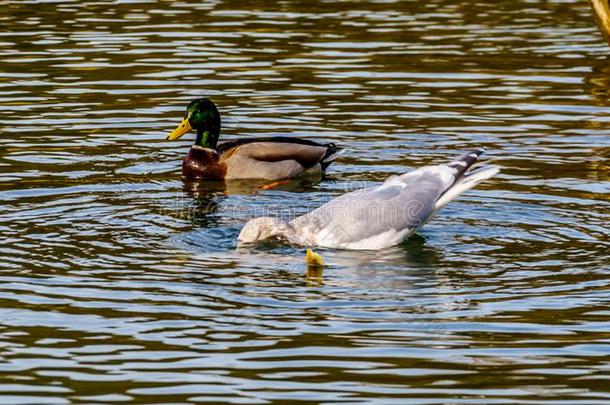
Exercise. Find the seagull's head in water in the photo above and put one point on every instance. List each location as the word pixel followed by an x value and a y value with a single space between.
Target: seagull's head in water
pixel 262 228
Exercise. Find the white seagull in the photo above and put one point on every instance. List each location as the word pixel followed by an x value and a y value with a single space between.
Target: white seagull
pixel 380 216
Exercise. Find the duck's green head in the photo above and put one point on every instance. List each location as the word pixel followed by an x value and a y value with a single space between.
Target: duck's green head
pixel 202 115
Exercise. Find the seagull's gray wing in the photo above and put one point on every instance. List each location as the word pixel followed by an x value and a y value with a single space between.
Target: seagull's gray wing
pixel 378 216
pixel 382 216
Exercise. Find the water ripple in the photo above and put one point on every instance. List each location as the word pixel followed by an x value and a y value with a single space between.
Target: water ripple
pixel 114 270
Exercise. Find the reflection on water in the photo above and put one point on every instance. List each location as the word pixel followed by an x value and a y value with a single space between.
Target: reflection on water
pixel 115 271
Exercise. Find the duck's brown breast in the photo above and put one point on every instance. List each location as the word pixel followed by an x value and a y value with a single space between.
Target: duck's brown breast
pixel 203 163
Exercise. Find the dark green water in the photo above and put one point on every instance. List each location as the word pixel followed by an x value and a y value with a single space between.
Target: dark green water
pixel 119 282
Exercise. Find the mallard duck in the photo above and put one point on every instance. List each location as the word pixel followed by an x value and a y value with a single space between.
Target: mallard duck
pixel 380 216
pixel 272 158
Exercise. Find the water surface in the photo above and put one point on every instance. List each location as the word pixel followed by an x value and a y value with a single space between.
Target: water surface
pixel 120 282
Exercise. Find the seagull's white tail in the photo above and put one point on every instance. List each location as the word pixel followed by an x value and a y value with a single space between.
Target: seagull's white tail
pixel 466 182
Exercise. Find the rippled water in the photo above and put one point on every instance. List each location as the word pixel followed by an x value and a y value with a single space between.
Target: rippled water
pixel 120 282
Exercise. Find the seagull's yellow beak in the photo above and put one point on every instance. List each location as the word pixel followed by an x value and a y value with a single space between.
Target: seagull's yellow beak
pixel 182 129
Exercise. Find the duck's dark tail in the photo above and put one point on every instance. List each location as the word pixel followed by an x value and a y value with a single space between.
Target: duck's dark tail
pixel 332 152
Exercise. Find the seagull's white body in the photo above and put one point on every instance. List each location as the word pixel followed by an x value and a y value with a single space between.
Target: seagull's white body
pixel 376 217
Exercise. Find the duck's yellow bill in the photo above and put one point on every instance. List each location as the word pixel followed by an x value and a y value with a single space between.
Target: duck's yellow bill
pixel 182 129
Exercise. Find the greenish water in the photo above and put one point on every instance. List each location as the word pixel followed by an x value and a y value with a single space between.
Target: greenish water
pixel 120 282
